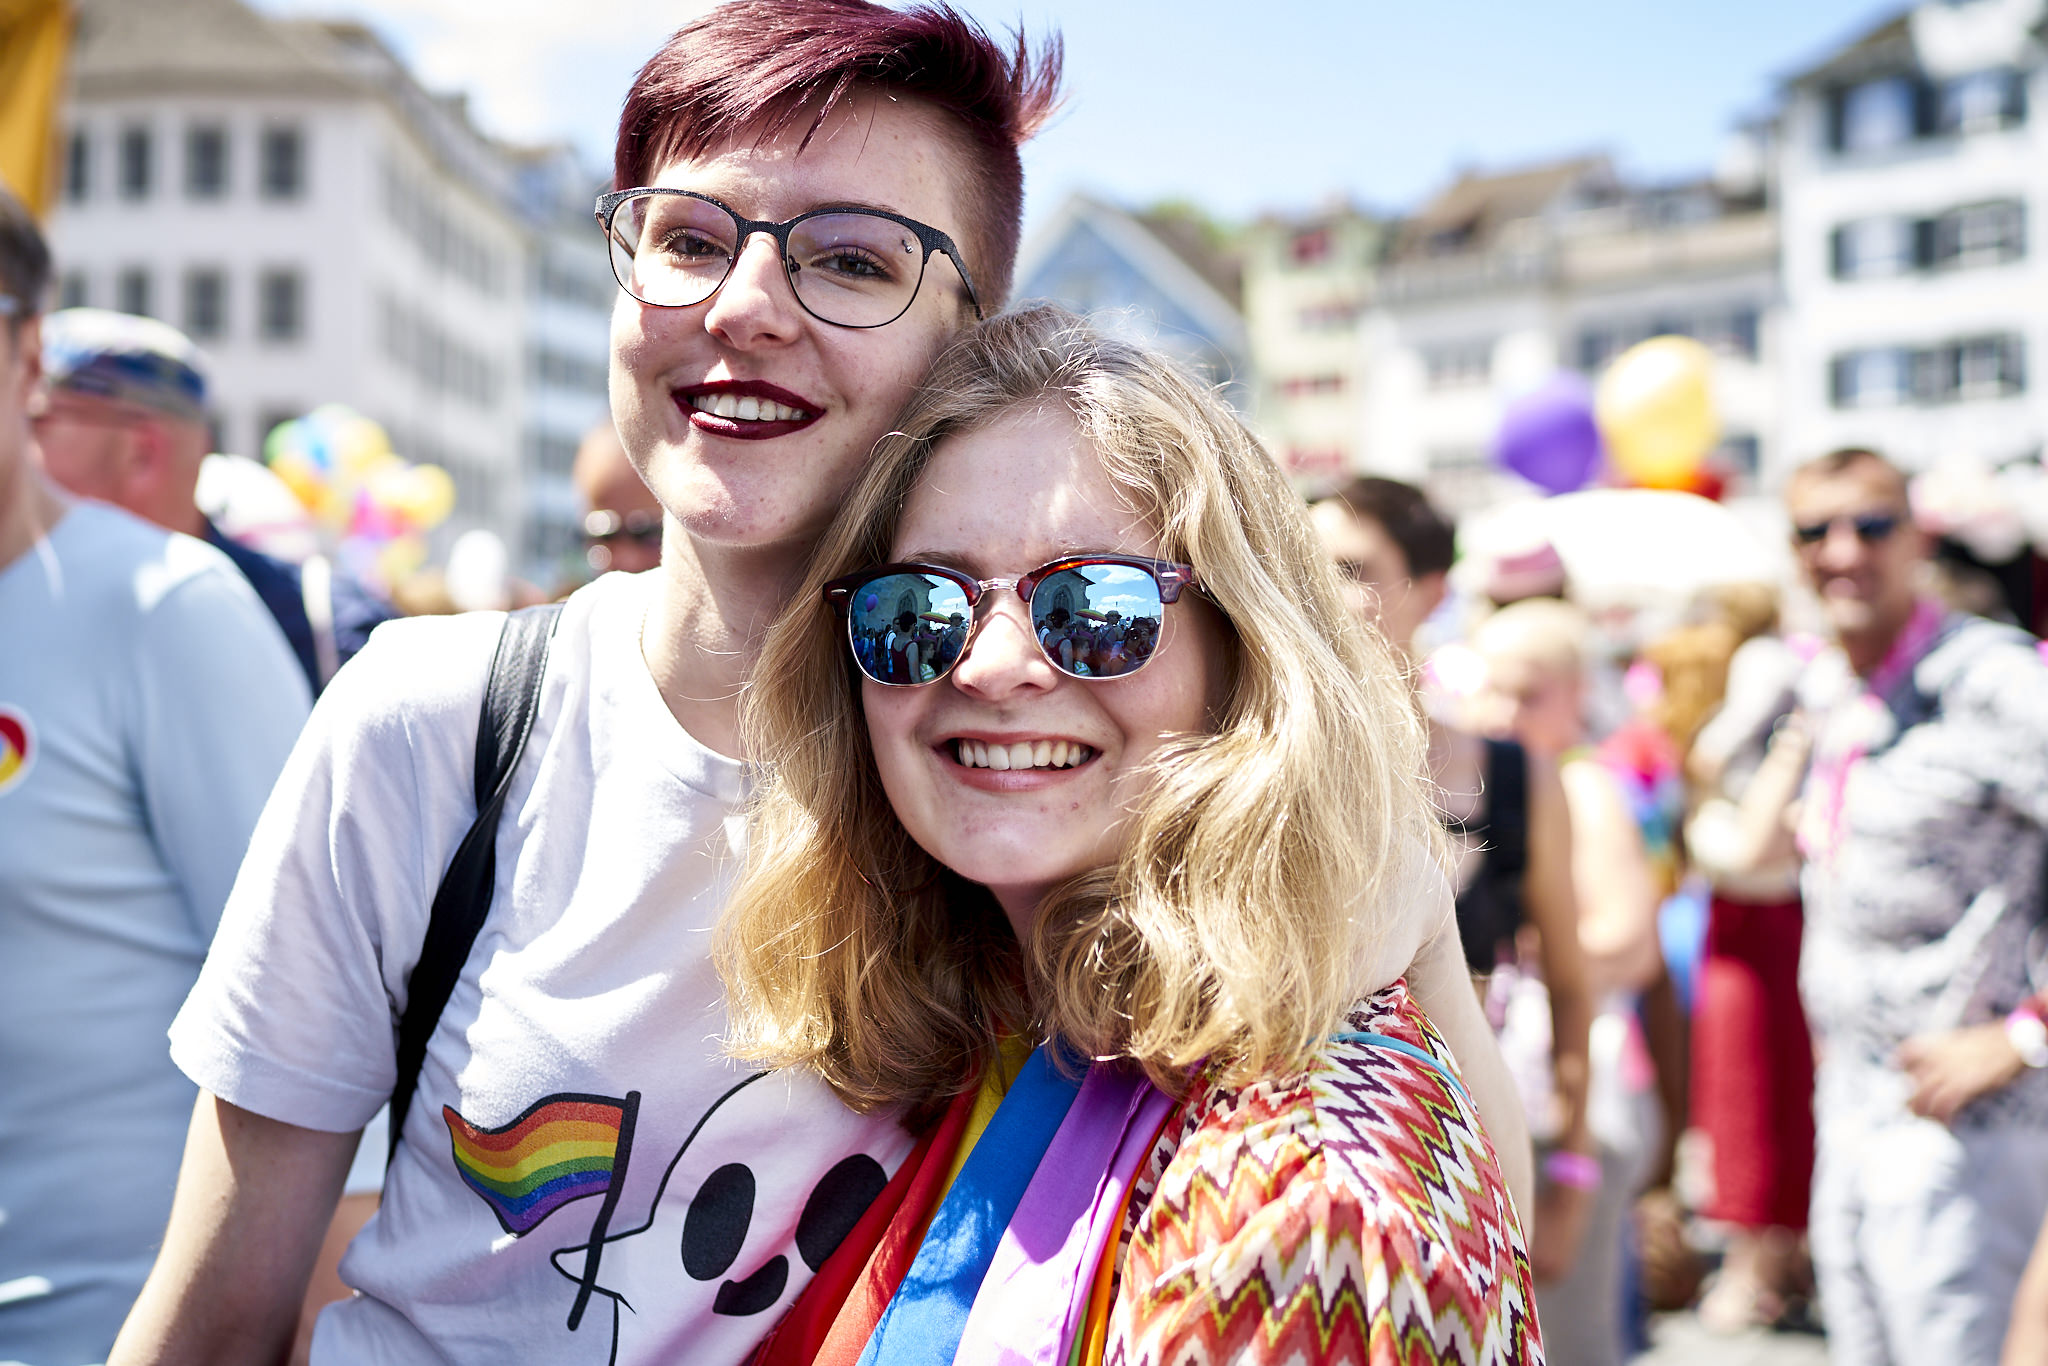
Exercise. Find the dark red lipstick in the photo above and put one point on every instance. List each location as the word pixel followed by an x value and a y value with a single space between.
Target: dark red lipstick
pixel 731 394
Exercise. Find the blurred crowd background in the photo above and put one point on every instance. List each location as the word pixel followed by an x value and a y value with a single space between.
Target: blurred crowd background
pixel 1598 380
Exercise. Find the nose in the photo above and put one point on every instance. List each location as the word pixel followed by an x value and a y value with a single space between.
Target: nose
pixel 756 306
pixel 1002 656
pixel 1841 548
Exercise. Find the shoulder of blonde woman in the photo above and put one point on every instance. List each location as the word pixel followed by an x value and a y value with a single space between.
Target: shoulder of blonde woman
pixel 1419 942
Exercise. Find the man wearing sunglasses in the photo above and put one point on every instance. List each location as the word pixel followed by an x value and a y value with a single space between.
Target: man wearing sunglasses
pixel 815 197
pixel 621 515
pixel 1924 823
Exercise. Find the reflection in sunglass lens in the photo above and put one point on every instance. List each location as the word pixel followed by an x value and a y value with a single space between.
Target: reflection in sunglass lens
pixel 1097 620
pixel 908 628
pixel 855 268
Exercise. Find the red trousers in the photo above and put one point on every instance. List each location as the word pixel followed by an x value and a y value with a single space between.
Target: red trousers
pixel 1752 1068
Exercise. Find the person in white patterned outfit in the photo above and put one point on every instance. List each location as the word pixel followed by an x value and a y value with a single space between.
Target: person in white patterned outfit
pixel 1924 821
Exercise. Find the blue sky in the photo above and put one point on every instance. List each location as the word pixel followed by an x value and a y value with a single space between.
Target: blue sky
pixel 1302 100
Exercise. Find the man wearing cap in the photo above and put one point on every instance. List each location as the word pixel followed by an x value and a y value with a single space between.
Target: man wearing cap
pixel 147 704
pixel 125 422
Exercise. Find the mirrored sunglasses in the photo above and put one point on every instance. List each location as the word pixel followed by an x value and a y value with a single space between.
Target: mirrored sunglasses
pixel 1095 617
pixel 1870 528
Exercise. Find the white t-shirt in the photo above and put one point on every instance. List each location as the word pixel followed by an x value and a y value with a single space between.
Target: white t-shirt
pixel 576 1076
pixel 147 702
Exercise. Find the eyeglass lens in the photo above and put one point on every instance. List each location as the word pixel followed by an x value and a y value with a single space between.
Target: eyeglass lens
pixel 1091 621
pixel 1870 528
pixel 854 269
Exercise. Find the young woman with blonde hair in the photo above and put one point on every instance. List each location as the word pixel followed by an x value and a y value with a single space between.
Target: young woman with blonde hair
pixel 1187 865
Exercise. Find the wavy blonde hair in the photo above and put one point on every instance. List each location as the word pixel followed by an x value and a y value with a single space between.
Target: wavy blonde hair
pixel 1252 879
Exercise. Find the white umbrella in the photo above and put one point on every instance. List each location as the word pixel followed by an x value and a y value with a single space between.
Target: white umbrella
pixel 1633 546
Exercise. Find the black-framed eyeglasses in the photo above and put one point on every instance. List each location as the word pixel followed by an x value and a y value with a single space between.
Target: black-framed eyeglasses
pixel 1871 528
pixel 1094 617
pixel 848 267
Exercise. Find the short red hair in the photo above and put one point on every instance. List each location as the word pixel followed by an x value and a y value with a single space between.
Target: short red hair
pixel 753 68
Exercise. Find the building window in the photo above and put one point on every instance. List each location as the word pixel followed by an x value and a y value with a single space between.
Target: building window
pixel 1873 248
pixel 1733 333
pixel 583 374
pixel 280 306
pixel 1739 453
pixel 1973 235
pixel 1309 248
pixel 78 166
pixel 1458 364
pixel 1873 378
pixel 72 291
pixel 437 233
pixel 1312 461
pixel 1979 235
pixel 1981 367
pixel 1303 386
pixel 131 291
pixel 1981 102
pixel 438 362
pixel 1330 317
pixel 282 163
pixel 136 156
pixel 206 304
pixel 1958 371
pixel 206 161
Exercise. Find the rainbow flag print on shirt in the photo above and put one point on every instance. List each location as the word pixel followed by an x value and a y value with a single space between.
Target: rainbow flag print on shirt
pixel 563 1148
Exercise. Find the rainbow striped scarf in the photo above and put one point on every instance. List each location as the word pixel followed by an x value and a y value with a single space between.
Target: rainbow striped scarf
pixel 1019 1255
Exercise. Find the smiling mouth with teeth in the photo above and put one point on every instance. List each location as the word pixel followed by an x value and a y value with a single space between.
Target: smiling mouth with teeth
pixel 1023 754
pixel 747 409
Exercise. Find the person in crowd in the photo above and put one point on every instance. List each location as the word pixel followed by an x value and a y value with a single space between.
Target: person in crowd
pixel 1505 810
pixel 147 703
pixel 1535 656
pixel 1159 871
pixel 2026 1339
pixel 125 423
pixel 1752 1092
pixel 1924 823
pixel 814 196
pixel 621 515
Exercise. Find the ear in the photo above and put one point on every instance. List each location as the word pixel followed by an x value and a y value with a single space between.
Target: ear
pixel 1429 590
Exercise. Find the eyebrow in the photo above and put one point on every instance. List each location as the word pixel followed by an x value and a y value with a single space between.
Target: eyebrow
pixel 854 206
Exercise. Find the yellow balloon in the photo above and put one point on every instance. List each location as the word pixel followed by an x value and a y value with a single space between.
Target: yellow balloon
pixel 428 496
pixel 362 448
pixel 301 478
pixel 1655 408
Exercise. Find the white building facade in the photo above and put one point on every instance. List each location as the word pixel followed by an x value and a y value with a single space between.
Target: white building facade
pixel 1912 184
pixel 328 231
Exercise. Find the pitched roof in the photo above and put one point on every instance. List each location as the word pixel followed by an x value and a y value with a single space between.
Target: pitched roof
pixel 1468 215
pixel 153 46
pixel 1197 243
pixel 1154 258
pixel 1884 45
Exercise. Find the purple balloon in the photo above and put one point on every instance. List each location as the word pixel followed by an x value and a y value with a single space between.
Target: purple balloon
pixel 1548 435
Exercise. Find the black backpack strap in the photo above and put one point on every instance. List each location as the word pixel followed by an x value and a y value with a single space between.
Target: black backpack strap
pixel 463 899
